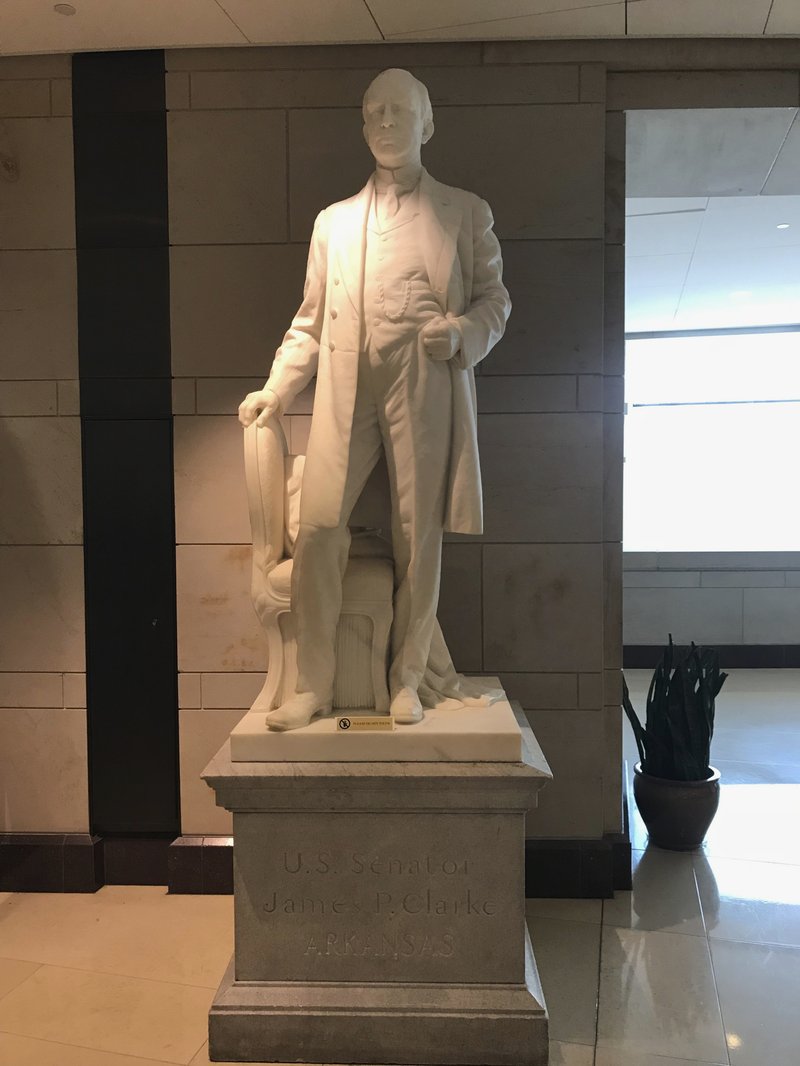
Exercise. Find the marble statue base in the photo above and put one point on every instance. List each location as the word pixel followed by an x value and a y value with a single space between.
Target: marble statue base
pixel 462 734
pixel 380 912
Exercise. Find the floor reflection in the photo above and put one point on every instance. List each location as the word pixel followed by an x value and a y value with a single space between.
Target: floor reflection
pixel 738 896
pixel 658 997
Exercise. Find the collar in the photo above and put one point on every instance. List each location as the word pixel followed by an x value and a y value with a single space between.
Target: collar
pixel 407 177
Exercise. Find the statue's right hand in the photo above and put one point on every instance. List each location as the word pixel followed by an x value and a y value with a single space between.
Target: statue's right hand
pixel 258 406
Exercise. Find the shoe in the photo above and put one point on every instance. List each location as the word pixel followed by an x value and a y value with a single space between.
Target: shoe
pixel 406 707
pixel 297 712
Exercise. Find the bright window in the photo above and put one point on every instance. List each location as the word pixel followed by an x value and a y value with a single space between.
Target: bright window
pixel 712 443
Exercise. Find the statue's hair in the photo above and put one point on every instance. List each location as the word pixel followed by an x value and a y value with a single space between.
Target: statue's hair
pixel 421 90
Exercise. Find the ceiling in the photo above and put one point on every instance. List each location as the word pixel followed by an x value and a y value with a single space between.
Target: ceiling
pixel 33 26
pixel 713 219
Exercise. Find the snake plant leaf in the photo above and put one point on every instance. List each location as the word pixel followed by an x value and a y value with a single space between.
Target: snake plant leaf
pixel 675 741
pixel 633 718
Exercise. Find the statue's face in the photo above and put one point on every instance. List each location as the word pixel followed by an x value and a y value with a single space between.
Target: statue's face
pixel 393 125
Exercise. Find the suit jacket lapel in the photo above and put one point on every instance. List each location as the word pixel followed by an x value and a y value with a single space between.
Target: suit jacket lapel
pixel 441 221
pixel 351 243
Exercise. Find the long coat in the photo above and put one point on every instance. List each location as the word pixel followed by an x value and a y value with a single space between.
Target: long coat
pixel 462 257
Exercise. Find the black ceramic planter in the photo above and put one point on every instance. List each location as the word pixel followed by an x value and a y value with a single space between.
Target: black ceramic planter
pixel 677 813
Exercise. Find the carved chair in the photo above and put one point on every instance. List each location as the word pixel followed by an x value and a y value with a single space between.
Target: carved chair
pixel 274 484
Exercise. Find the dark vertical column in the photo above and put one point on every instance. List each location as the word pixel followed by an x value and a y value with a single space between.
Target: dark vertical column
pixel 123 320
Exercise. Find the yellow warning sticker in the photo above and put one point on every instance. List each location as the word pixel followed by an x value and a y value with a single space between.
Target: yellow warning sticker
pixel 365 723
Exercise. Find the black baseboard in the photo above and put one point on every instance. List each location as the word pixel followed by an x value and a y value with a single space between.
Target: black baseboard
pixel 577 869
pixel 80 862
pixel 51 862
pixel 201 865
pixel 731 656
pixel 136 860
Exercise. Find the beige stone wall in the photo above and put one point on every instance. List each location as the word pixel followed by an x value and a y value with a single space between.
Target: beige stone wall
pixel 43 766
pixel 259 141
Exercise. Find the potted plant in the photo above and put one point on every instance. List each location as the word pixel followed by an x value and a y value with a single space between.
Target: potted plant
pixel 675 787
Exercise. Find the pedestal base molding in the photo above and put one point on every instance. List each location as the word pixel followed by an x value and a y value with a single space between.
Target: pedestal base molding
pixel 451 1025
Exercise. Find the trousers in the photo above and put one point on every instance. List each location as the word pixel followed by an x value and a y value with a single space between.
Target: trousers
pixel 403 406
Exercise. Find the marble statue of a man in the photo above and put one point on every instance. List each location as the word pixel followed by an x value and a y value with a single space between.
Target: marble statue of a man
pixel 403 296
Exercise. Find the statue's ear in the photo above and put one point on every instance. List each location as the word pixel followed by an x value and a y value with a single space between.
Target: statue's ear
pixel 364 131
pixel 427 131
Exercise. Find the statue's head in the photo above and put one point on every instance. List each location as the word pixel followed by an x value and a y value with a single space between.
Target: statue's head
pixel 398 118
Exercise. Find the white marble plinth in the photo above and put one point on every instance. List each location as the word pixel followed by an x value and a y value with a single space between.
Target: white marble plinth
pixel 380 910
pixel 458 734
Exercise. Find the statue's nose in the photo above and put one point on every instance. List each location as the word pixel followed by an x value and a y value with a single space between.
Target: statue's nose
pixel 388 117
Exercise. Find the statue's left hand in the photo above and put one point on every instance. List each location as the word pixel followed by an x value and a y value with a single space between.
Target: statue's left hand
pixel 258 407
pixel 441 338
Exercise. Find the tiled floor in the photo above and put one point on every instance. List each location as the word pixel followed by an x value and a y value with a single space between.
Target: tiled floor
pixel 700 964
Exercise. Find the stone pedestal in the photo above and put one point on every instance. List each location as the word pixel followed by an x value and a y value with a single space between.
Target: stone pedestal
pixel 380 911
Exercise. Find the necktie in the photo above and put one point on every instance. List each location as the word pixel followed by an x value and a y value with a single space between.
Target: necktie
pixel 391 201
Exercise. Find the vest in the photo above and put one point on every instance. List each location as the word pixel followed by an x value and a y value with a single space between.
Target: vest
pixel 397 292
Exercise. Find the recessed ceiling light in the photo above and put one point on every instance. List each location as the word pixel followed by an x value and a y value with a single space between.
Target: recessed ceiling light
pixel 64 9
pixel 782 225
